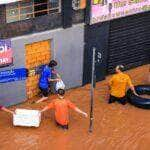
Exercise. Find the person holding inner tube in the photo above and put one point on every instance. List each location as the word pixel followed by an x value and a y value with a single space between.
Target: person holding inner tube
pixel 118 85
pixel 45 79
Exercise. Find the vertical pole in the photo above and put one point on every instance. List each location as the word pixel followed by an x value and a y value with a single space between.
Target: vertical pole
pixel 88 11
pixel 92 91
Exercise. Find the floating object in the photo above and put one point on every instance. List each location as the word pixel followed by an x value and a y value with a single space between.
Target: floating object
pixel 137 100
pixel 60 85
pixel 27 118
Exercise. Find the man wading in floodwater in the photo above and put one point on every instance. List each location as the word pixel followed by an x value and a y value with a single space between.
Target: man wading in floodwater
pixel 118 84
pixel 61 106
pixel 45 78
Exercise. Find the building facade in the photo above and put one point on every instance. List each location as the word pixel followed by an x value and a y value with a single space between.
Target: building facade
pixel 41 30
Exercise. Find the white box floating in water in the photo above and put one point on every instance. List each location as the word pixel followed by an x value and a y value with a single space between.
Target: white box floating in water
pixel 28 118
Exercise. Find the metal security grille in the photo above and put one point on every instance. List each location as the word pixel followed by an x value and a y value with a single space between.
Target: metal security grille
pixel 27 9
pixel 129 41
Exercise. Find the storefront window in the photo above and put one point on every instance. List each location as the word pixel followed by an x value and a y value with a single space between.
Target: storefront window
pixel 27 9
pixel 12 13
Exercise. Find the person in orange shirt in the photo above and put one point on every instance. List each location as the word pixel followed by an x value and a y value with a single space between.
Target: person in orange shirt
pixel 61 106
pixel 118 84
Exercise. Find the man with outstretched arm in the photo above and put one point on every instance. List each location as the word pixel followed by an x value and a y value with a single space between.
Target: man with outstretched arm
pixel 61 106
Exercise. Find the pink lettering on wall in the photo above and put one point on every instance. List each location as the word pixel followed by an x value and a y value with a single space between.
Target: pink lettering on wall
pixel 5 53
pixel 104 10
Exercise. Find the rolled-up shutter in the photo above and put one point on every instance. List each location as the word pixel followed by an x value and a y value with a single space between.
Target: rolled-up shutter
pixel 129 41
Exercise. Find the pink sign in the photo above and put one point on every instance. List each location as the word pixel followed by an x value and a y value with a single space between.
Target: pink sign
pixel 5 53
pixel 103 10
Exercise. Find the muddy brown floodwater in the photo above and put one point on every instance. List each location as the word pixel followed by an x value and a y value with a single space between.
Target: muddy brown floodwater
pixel 145 96
pixel 116 127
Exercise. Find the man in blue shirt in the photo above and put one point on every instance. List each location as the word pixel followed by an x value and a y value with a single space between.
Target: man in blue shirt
pixel 45 78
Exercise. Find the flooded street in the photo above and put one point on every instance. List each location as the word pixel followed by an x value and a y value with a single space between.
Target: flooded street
pixel 145 96
pixel 116 127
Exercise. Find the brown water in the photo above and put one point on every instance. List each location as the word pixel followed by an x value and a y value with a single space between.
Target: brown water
pixel 145 96
pixel 116 127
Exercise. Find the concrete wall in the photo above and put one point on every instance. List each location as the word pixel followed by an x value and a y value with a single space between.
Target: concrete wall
pixel 14 92
pixel 67 48
pixel 35 25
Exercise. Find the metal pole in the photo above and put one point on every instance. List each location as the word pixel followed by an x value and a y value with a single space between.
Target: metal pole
pixel 92 91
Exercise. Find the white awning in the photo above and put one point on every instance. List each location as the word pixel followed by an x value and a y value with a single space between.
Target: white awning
pixel 7 1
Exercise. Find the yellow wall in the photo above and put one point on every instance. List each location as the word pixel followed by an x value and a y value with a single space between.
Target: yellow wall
pixel 36 54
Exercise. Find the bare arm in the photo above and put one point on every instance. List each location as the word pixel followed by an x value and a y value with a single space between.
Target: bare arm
pixel 81 112
pixel 133 89
pixel 7 110
pixel 54 72
pixel 50 106
pixel 131 86
pixel 58 76
pixel 72 106
pixel 54 80
pixel 44 109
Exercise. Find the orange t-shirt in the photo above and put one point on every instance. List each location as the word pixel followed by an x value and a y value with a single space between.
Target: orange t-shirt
pixel 118 84
pixel 61 107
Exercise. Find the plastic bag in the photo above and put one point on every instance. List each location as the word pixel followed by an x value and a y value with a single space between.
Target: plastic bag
pixel 60 85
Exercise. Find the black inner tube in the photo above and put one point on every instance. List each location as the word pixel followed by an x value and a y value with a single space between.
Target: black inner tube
pixel 137 100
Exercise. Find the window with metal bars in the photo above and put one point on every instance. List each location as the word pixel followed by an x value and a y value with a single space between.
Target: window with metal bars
pixel 27 9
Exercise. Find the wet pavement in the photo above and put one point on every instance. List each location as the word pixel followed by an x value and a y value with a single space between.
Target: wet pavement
pixel 116 127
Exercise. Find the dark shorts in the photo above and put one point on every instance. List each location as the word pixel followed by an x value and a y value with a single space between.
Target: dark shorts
pixel 44 92
pixel 122 100
pixel 62 126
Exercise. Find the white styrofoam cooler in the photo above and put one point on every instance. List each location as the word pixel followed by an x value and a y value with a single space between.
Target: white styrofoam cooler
pixel 28 118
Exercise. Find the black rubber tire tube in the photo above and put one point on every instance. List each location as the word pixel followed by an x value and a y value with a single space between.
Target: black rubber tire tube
pixel 137 100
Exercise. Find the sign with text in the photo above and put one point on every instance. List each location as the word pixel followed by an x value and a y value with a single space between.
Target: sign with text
pixel 13 75
pixel 5 53
pixel 104 10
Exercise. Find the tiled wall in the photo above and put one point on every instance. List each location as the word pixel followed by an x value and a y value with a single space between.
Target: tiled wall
pixel 36 54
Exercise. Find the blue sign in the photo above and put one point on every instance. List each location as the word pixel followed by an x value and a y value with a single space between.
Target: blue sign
pixel 13 75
